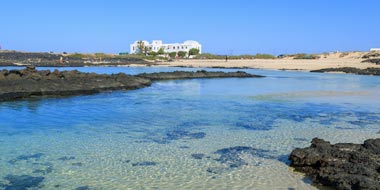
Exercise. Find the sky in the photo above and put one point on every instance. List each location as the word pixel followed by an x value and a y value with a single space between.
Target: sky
pixel 221 26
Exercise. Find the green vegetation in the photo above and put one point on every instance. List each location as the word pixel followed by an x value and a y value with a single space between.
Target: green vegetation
pixel 241 56
pixel 79 56
pixel 153 53
pixel 210 56
pixel 140 47
pixel 148 54
pixel 161 51
pixel 193 51
pixel 182 54
pixel 264 56
pixel 172 54
pixel 247 56
pixel 305 56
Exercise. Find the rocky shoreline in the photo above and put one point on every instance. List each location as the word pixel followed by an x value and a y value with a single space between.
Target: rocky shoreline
pixel 343 166
pixel 14 58
pixel 18 84
pixel 352 70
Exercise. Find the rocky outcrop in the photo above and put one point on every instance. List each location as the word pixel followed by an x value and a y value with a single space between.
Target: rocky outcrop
pixel 16 84
pixel 343 166
pixel 371 55
pixel 374 60
pixel 367 71
pixel 197 74
pixel 14 58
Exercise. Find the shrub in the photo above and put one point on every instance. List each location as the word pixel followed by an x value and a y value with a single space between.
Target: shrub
pixel 153 53
pixel 194 51
pixel 161 51
pixel 78 56
pixel 344 54
pixel 182 54
pixel 172 54
pixel 305 56
pixel 264 56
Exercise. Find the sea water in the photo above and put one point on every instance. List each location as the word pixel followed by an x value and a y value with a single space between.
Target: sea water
pixel 183 134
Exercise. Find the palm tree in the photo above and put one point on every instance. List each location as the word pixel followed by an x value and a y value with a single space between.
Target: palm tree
pixel 140 46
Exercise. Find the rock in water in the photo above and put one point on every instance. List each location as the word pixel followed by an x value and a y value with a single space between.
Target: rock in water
pixel 353 70
pixel 22 182
pixel 344 166
pixel 17 84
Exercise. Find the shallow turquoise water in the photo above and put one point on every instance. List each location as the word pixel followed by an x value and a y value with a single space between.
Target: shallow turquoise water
pixel 167 136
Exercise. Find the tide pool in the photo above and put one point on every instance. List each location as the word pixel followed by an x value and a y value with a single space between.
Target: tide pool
pixel 184 134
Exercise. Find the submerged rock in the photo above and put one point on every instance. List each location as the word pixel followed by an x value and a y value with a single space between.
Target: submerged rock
pixel 232 157
pixel 198 156
pixel 77 164
pixel 144 164
pixel 21 182
pixel 36 156
pixel 344 166
pixel 182 134
pixel 65 158
pixel 83 188
pixel 44 171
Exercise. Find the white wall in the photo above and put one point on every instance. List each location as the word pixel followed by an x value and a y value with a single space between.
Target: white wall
pixel 168 48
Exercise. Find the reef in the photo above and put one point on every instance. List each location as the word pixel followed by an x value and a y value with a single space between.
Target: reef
pixel 26 83
pixel 343 166
pixel 22 182
pixel 352 70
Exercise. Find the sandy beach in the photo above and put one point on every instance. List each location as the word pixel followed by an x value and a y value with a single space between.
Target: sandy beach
pixel 330 61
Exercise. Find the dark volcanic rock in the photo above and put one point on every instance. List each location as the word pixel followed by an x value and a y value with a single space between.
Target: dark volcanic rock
pixel 11 58
pixel 197 156
pixel 182 134
pixel 29 82
pixel 197 74
pixel 16 84
pixel 44 171
pixel 65 158
pixel 36 156
pixel 144 164
pixel 232 157
pixel 374 60
pixel 22 182
pixel 344 166
pixel 367 71
pixel 83 188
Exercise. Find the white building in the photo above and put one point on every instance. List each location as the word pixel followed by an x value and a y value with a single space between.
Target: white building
pixel 374 50
pixel 168 48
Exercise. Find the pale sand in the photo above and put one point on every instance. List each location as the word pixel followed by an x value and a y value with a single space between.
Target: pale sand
pixel 329 61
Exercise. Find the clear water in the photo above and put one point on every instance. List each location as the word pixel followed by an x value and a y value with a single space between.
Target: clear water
pixel 167 136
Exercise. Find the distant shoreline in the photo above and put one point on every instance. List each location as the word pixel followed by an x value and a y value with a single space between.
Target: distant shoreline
pixel 357 60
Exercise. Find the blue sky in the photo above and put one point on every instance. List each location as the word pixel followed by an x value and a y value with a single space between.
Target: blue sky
pixel 222 26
